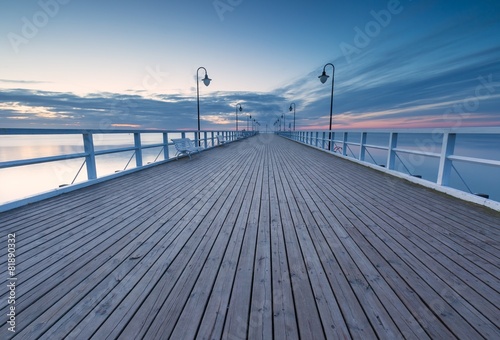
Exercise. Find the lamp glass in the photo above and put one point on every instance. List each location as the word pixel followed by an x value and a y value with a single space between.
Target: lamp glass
pixel 206 80
pixel 323 77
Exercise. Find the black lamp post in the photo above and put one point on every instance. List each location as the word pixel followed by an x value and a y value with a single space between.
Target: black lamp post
pixel 323 78
pixel 206 81
pixel 290 108
pixel 241 109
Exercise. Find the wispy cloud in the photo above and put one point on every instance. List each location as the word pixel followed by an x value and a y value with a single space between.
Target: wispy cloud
pixel 11 81
pixel 424 81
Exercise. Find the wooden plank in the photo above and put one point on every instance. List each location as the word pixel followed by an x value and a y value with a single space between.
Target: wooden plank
pixel 194 308
pixel 307 312
pixel 59 260
pixel 285 320
pixel 237 318
pixel 212 324
pixel 199 236
pixel 359 326
pixel 359 213
pixel 457 273
pixel 261 308
pixel 98 296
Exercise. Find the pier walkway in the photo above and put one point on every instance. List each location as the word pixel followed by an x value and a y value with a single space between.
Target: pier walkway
pixel 260 238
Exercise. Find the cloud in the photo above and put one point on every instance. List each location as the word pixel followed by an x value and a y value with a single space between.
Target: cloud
pixel 403 85
pixel 31 108
pixel 9 81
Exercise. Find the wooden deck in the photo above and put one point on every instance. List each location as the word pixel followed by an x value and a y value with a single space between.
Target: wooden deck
pixel 262 238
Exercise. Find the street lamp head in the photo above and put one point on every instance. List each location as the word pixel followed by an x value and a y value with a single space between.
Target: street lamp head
pixel 290 108
pixel 323 77
pixel 241 109
pixel 206 80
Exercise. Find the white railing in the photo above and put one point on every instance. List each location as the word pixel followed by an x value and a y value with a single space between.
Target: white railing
pixel 89 151
pixel 446 148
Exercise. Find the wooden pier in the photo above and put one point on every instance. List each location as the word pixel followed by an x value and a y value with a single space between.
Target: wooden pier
pixel 261 238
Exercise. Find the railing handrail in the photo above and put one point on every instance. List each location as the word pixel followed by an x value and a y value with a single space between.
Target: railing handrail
pixel 446 155
pixel 461 130
pixel 39 131
pixel 90 151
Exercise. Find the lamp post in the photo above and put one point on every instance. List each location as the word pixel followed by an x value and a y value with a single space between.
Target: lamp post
pixel 241 109
pixel 290 108
pixel 248 120
pixel 206 81
pixel 323 78
pixel 284 126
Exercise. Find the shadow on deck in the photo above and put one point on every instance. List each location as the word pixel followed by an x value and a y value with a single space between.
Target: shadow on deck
pixel 259 238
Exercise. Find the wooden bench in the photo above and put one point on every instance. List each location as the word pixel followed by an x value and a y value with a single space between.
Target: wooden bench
pixel 185 146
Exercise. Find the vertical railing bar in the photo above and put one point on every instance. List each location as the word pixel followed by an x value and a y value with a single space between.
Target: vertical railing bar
pixel 344 144
pixel 362 148
pixel 88 144
pixel 166 150
pixel 445 163
pixel 138 149
pixel 391 154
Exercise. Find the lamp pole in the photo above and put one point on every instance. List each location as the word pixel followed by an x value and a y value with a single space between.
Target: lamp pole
pixel 206 81
pixel 323 78
pixel 290 108
pixel 241 109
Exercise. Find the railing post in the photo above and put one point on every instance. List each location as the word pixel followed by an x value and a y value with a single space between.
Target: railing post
pixel 362 147
pixel 165 146
pixel 391 154
pixel 445 164
pixel 344 144
pixel 205 139
pixel 317 138
pixel 138 149
pixel 332 141
pixel 88 144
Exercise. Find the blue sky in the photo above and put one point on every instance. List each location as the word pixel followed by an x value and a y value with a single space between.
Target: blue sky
pixel 112 64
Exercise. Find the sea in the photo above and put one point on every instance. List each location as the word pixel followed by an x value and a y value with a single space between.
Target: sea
pixel 24 181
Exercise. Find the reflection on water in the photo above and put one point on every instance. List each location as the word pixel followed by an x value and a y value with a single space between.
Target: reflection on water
pixel 20 182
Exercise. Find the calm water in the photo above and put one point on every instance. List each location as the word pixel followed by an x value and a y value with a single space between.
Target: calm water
pixel 25 181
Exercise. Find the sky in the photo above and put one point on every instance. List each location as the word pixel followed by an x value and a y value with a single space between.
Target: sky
pixel 133 64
